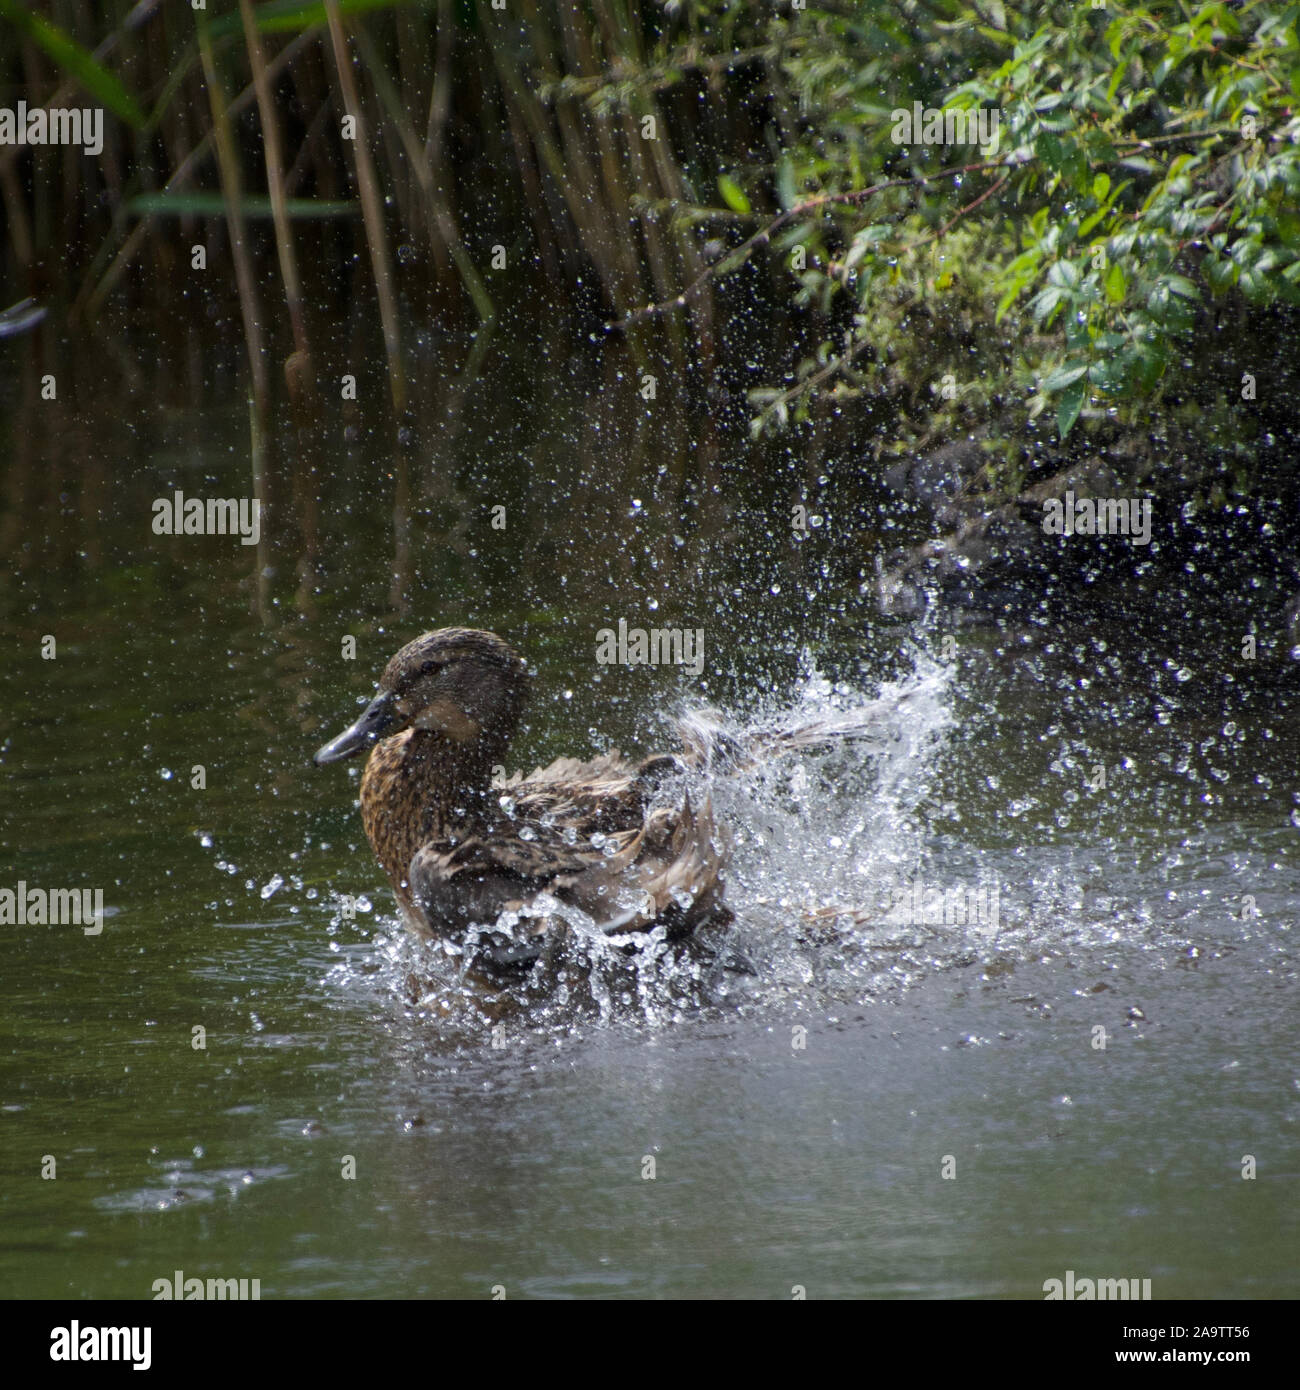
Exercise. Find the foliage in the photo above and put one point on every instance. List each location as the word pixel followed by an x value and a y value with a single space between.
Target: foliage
pixel 1146 176
pixel 1147 164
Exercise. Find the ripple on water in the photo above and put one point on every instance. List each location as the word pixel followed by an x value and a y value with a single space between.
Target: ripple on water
pixel 187 1186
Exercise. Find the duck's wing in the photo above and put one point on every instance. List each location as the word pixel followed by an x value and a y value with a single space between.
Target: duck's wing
pixel 665 869
pixel 603 794
pixel 672 874
pixel 473 881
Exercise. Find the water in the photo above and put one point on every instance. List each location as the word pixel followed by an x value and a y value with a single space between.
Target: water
pixel 800 1110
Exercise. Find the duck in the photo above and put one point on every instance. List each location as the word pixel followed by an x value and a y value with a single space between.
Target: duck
pixel 497 865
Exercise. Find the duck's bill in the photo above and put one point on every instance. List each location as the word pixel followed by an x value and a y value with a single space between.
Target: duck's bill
pixel 378 718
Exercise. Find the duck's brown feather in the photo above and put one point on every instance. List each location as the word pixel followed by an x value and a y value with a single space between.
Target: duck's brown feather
pixel 460 853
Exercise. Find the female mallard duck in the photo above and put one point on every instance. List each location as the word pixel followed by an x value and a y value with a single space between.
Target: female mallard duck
pixel 460 850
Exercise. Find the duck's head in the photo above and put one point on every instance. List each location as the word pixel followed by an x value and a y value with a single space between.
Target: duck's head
pixel 461 685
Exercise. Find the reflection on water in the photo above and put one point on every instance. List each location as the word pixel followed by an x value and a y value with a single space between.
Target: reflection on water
pixel 1135 809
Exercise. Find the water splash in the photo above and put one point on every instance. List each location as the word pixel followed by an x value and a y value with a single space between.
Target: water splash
pixel 860 866
pixel 820 795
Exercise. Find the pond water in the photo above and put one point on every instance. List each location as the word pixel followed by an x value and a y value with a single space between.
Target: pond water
pixel 870 1104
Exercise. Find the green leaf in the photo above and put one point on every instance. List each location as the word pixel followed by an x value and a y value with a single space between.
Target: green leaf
pixel 1179 284
pixel 214 205
pixel 1100 187
pixel 1090 222
pixel 77 62
pixel 1048 148
pixel 1069 406
pixel 1063 273
pixel 1045 303
pixel 727 264
pixel 1078 331
pixel 1062 156
pixel 1117 76
pixel 1116 283
pixel 1013 293
pixel 1063 376
pixel 733 195
pixel 1114 41
pixel 785 186
pixel 1221 273
pixel 290 16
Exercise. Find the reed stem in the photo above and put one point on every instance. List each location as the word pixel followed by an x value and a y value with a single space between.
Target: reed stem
pixel 371 209
pixel 228 166
pixel 275 188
